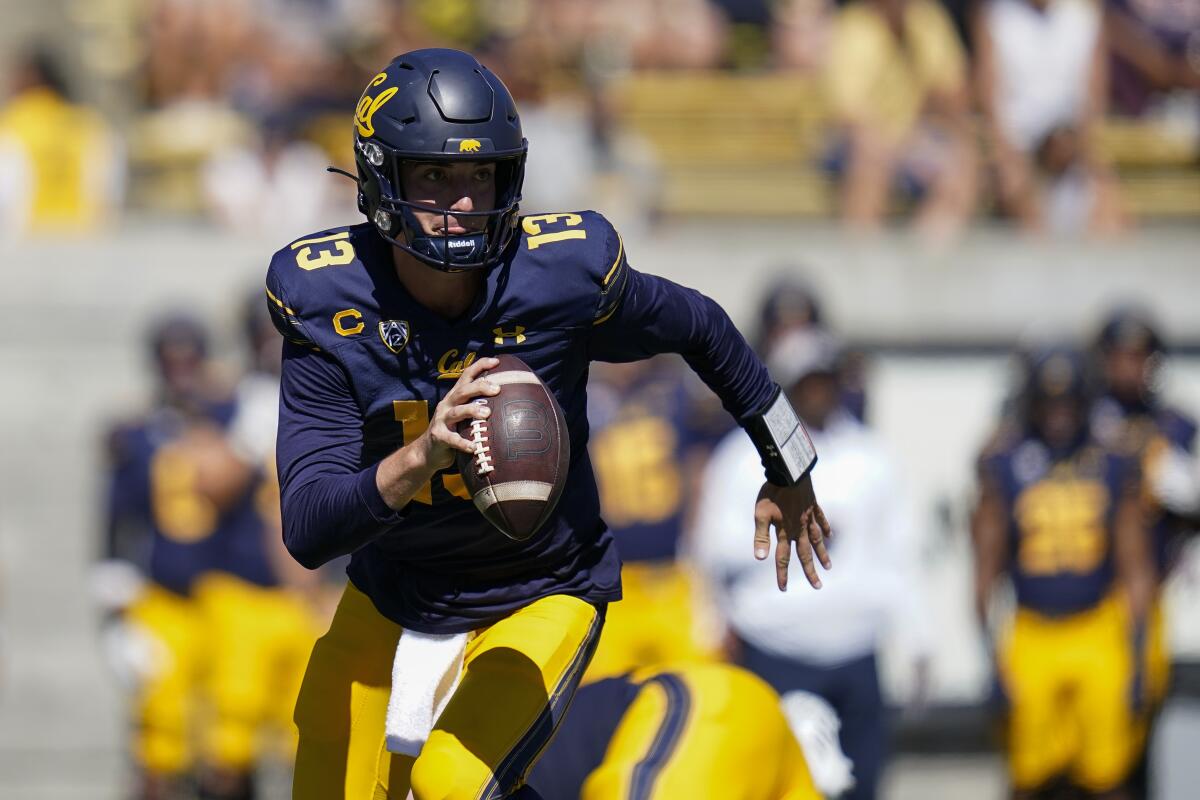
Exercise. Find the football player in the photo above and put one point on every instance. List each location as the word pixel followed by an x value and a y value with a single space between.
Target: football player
pixel 1131 417
pixel 163 509
pixel 390 326
pixel 688 731
pixel 1061 516
pixel 260 608
pixel 649 438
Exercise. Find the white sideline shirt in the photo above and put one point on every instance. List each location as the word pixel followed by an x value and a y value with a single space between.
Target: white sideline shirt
pixel 874 584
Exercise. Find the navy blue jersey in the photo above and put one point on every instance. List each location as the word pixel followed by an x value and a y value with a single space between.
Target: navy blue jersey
pixel 1145 432
pixel 365 365
pixel 1060 512
pixel 642 435
pixel 158 520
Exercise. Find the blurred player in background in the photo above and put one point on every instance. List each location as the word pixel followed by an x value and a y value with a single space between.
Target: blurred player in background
pixel 823 643
pixel 1061 516
pixel 60 166
pixel 261 609
pixel 788 304
pixel 1131 417
pixel 650 436
pixel 166 498
pixel 702 732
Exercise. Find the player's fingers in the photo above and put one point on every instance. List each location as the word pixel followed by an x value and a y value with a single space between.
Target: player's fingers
pixel 472 410
pixel 804 552
pixel 816 537
pixel 823 523
pixel 762 529
pixel 479 365
pixel 783 554
pixel 464 392
pixel 445 435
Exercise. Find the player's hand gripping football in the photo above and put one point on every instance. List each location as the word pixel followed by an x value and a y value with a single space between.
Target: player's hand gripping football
pixel 442 440
pixel 794 514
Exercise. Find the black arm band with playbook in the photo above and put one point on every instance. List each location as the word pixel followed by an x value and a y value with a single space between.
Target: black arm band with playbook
pixel 786 450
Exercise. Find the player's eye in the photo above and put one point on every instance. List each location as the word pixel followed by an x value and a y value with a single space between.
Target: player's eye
pixel 434 175
pixel 485 175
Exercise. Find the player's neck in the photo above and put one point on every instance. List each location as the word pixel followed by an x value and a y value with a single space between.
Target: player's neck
pixel 447 294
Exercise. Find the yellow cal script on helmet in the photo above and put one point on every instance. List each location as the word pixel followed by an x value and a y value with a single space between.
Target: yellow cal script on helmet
pixel 368 105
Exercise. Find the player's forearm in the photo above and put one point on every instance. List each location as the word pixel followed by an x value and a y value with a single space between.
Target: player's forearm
pixel 404 472
pixel 334 515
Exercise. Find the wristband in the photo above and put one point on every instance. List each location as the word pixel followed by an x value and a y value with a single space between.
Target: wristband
pixel 786 450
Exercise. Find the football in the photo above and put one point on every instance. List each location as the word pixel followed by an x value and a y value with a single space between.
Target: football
pixel 522 451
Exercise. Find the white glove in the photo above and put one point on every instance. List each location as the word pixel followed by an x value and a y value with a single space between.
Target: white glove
pixel 815 725
pixel 133 653
pixel 1174 480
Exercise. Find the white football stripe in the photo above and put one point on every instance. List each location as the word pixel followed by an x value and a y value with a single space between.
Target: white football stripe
pixel 512 376
pixel 513 490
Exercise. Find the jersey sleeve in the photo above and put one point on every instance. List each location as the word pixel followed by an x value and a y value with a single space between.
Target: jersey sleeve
pixel 331 505
pixel 639 315
pixel 280 303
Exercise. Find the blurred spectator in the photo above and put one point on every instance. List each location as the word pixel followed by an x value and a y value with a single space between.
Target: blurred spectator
pixel 1041 77
pixel 897 83
pixel 1155 49
pixel 279 187
pixel 1060 516
pixel 671 34
pixel 60 167
pixel 648 443
pixel 824 642
pixel 800 33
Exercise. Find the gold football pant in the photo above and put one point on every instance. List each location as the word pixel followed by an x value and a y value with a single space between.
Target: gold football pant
pixel 702 732
pixel 656 622
pixel 165 702
pixel 259 640
pixel 519 675
pixel 1068 682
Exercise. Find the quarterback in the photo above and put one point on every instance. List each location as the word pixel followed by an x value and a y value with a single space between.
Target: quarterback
pixel 390 326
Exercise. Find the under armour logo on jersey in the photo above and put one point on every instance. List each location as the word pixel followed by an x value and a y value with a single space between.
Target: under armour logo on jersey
pixel 517 334
pixel 394 333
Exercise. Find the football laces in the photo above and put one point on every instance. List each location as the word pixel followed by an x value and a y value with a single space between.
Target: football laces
pixel 483 453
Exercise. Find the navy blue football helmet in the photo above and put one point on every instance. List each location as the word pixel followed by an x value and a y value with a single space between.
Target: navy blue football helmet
pixel 438 105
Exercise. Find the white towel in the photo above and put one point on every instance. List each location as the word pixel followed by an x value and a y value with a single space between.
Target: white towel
pixel 425 674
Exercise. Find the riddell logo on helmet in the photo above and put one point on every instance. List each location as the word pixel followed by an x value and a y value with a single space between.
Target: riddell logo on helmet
pixel 469 146
pixel 458 244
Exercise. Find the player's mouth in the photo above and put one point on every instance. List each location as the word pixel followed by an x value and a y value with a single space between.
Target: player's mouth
pixel 454 228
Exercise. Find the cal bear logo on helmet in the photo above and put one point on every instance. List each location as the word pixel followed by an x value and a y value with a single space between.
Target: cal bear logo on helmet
pixel 469 146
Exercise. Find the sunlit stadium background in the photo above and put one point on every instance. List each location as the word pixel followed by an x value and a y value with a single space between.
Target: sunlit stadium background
pixel 706 129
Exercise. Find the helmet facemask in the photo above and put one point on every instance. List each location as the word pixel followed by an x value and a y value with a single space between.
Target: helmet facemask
pixel 381 198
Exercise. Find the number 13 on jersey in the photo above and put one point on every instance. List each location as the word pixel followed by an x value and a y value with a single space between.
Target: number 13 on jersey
pixel 413 415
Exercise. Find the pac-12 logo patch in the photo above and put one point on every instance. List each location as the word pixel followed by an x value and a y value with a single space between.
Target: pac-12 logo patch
pixel 394 333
